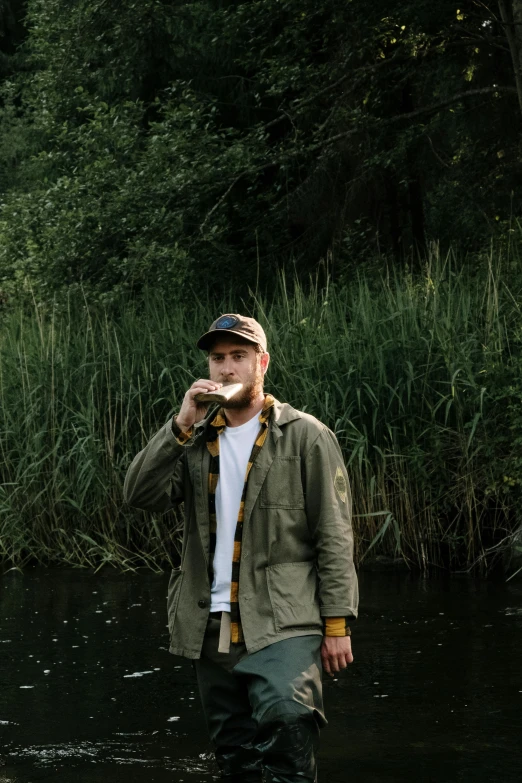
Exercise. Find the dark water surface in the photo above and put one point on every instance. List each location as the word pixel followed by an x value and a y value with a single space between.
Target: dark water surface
pixel 89 693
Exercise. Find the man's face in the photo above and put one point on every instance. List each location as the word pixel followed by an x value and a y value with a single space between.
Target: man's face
pixel 231 360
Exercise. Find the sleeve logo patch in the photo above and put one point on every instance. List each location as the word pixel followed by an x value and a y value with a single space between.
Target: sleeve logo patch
pixel 340 485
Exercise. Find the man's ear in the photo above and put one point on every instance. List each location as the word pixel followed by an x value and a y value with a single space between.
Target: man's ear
pixel 264 362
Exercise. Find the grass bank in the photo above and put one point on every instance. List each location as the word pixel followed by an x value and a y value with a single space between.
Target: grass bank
pixel 419 377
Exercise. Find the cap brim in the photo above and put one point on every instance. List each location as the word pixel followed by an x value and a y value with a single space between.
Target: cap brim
pixel 206 340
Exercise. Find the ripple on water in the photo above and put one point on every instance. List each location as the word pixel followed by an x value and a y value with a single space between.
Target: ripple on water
pixel 110 752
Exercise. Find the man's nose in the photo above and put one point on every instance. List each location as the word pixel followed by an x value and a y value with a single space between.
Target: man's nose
pixel 227 370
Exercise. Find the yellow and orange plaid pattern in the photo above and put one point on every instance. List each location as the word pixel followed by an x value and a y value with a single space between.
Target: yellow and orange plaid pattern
pixel 217 425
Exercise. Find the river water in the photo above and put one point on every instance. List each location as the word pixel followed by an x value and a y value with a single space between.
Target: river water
pixel 89 692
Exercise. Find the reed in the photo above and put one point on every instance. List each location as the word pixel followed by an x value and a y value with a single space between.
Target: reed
pixel 397 365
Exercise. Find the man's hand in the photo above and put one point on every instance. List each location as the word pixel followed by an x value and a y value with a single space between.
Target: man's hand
pixel 191 411
pixel 336 653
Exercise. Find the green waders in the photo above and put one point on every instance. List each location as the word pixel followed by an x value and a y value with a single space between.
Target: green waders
pixel 263 711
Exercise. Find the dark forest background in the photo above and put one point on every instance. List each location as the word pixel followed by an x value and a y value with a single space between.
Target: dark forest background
pixel 170 143
pixel 347 172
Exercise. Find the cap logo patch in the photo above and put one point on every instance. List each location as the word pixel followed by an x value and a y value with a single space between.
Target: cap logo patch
pixel 340 485
pixel 227 322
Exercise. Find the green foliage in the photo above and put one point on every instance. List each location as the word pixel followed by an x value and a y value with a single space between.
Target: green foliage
pixel 417 376
pixel 228 140
pixel 504 386
pixel 153 152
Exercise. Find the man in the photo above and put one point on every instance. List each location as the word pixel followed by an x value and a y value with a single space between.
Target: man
pixel 267 584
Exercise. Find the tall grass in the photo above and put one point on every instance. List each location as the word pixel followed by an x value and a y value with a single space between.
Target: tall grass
pixel 397 366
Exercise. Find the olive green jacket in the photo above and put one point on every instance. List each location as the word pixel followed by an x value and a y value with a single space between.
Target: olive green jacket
pixel 297 549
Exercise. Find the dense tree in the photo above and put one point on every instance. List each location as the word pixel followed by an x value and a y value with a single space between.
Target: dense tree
pixel 171 143
pixel 12 32
pixel 12 132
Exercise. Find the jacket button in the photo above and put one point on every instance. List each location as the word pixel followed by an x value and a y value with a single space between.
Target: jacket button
pixel 202 603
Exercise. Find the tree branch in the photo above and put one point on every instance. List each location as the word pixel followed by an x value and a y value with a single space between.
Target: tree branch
pixel 430 109
pixel 368 69
pixel 361 71
pixel 346 134
pixel 480 4
pixel 487 39
pixel 221 200
pixel 513 46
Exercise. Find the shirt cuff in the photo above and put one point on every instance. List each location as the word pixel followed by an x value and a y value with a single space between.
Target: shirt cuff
pixel 181 437
pixel 336 626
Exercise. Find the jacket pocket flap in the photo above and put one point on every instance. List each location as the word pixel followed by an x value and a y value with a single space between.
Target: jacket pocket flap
pixel 293 594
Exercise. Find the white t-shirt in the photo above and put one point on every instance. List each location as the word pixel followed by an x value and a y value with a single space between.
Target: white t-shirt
pixel 235 448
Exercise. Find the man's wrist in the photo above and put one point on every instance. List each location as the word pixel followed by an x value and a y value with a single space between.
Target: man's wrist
pixel 336 626
pixel 183 426
pixel 180 431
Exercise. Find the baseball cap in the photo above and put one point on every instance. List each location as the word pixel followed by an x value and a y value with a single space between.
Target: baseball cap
pixel 233 323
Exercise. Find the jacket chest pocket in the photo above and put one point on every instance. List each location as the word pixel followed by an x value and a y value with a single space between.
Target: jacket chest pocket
pixel 283 487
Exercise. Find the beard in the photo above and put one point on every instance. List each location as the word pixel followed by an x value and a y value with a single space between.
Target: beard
pixel 248 394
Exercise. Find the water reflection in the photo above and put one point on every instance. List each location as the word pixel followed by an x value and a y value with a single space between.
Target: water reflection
pixel 90 693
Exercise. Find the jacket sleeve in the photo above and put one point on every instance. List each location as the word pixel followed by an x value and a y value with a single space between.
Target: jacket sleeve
pixel 329 514
pixel 154 480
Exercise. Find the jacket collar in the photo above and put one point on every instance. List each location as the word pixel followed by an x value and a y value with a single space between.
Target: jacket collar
pixel 284 413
